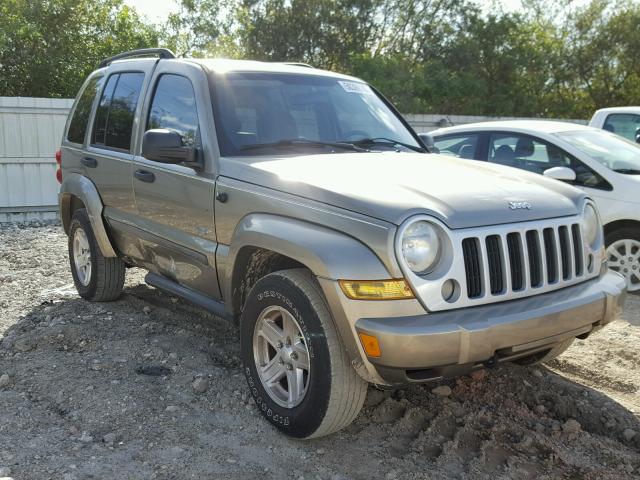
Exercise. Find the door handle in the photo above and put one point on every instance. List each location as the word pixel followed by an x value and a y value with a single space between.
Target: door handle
pixel 144 176
pixel 89 162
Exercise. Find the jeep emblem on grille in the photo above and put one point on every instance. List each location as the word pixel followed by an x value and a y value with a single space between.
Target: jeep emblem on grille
pixel 519 205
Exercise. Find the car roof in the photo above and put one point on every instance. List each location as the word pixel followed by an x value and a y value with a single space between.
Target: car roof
pixel 619 110
pixel 223 65
pixel 521 126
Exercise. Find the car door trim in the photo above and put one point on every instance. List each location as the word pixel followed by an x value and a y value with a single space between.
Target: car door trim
pixel 151 237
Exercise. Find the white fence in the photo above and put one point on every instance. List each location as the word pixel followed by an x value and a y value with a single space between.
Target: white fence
pixel 30 133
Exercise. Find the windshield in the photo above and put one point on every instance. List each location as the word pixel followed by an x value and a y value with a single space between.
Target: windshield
pixel 610 150
pixel 267 113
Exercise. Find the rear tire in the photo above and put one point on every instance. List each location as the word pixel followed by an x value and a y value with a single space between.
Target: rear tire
pixel 332 393
pixel 97 278
pixel 547 356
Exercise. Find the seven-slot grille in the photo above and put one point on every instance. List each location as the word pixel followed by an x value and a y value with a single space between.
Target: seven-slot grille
pixel 516 261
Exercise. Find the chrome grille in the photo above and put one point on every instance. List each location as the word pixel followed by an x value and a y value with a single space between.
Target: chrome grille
pixel 520 260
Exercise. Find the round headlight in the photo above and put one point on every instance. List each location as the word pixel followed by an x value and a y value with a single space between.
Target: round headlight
pixel 420 246
pixel 590 225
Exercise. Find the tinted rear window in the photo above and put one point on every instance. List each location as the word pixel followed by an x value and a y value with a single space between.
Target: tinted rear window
pixel 114 118
pixel 78 124
pixel 102 113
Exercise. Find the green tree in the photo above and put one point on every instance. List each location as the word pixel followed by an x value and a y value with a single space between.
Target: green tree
pixel 321 32
pixel 602 61
pixel 48 47
pixel 201 27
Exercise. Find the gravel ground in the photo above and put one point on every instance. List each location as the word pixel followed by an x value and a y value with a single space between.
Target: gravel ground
pixel 151 387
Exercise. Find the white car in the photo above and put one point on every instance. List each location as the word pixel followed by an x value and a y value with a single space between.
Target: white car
pixel 603 164
pixel 623 121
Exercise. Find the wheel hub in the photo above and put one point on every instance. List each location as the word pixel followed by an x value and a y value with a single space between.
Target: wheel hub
pixel 623 256
pixel 82 256
pixel 281 356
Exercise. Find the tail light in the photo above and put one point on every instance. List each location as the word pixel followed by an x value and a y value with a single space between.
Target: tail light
pixel 59 169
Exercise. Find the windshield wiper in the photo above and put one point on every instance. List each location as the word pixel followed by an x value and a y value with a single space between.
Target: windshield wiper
pixel 627 171
pixel 302 142
pixel 387 141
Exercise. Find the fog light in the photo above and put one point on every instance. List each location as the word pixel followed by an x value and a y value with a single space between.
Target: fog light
pixel 376 289
pixel 450 291
pixel 370 345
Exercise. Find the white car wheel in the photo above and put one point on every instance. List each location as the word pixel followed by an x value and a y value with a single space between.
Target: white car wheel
pixel 623 256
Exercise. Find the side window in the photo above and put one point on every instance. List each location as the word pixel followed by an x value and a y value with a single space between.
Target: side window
pixel 102 112
pixel 524 152
pixel 534 155
pixel 78 124
pixel 174 107
pixel 463 146
pixel 116 111
pixel 626 125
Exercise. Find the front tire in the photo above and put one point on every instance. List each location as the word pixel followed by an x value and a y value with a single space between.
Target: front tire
pixel 97 278
pixel 297 370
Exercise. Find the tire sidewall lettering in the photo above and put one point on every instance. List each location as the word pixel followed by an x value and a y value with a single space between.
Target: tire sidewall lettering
pixel 302 420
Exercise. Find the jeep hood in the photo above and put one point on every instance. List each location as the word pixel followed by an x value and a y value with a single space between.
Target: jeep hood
pixel 392 186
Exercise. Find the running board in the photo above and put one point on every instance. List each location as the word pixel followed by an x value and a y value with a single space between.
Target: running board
pixel 168 285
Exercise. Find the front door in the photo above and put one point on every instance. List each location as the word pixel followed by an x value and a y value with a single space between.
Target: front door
pixel 175 202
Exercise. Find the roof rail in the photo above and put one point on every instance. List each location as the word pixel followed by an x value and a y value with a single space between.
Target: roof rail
pixel 141 52
pixel 297 64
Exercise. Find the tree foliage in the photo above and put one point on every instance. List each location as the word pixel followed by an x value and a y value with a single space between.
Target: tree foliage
pixel 48 47
pixel 551 59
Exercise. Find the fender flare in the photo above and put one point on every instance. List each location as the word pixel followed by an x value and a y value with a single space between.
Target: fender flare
pixel 327 253
pixel 76 185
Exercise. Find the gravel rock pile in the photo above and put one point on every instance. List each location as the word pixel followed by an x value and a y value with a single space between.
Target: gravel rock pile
pixel 150 387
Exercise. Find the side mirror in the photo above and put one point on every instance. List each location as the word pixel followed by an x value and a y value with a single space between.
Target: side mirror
pixel 560 173
pixel 165 146
pixel 429 142
pixel 638 135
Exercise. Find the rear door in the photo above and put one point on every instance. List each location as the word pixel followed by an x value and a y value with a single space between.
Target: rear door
pixel 175 202
pixel 108 158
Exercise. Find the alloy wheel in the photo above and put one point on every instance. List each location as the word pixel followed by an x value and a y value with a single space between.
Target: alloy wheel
pixel 281 356
pixel 82 256
pixel 623 256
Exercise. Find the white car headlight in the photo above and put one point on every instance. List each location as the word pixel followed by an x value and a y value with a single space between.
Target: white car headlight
pixel 591 225
pixel 420 246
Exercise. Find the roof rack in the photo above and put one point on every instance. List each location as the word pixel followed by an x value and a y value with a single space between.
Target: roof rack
pixel 141 52
pixel 297 64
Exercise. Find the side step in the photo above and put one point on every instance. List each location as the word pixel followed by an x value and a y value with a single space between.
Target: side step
pixel 163 283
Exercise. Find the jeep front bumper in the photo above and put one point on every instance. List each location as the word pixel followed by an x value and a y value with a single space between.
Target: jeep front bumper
pixel 419 348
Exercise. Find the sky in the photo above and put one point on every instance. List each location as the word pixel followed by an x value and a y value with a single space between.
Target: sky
pixel 158 10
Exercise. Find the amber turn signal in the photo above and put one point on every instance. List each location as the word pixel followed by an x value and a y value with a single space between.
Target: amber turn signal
pixel 376 289
pixel 370 345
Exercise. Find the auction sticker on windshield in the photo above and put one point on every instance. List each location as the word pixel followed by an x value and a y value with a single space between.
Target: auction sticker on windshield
pixel 355 87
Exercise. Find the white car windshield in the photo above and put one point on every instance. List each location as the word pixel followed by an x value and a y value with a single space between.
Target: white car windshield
pixel 608 149
pixel 261 113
